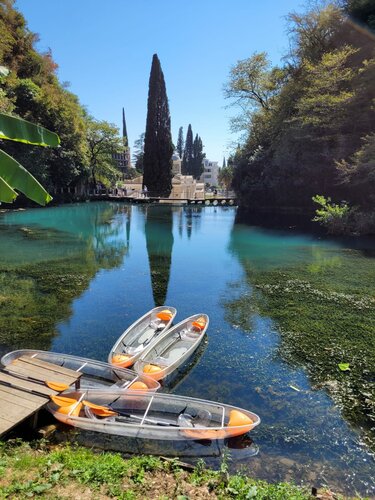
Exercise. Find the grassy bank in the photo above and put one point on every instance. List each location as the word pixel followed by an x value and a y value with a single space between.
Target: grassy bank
pixel 54 472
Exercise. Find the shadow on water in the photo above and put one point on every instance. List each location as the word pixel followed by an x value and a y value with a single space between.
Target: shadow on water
pixel 171 383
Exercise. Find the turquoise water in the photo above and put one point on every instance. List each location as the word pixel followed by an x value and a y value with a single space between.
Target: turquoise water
pixel 198 260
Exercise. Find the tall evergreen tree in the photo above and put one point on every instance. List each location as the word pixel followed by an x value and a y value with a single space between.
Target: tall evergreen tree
pixel 224 164
pixel 180 142
pixel 124 131
pixel 198 156
pixel 157 160
pixel 188 153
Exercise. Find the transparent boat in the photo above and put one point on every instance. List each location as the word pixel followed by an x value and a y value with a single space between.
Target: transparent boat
pixel 151 416
pixel 95 374
pixel 173 348
pixel 142 333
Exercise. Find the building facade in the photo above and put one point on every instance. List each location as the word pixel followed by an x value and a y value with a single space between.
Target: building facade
pixel 210 173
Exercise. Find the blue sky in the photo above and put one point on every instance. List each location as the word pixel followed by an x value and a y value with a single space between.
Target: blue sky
pixel 104 49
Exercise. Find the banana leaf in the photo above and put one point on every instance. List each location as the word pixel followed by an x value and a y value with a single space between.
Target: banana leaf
pixel 7 194
pixel 15 175
pixel 17 129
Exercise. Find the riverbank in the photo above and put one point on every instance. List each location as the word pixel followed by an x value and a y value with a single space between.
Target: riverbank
pixel 53 471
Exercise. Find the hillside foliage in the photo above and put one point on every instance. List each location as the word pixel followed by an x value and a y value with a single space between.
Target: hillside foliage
pixel 308 126
pixel 32 91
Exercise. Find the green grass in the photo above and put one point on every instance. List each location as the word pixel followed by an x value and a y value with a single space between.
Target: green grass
pixel 52 472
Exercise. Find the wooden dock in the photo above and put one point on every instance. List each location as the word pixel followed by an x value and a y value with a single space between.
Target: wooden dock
pixel 23 391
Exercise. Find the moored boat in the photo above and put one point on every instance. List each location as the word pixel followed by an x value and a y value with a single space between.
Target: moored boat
pixel 173 348
pixel 142 333
pixel 151 416
pixel 95 374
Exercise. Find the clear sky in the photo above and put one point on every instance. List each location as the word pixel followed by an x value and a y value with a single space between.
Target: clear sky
pixel 104 49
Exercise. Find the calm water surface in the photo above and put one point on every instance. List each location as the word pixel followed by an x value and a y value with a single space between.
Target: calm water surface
pixel 193 259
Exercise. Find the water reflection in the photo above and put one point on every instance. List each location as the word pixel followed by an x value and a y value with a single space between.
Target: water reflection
pixel 47 259
pixel 159 243
pixel 239 448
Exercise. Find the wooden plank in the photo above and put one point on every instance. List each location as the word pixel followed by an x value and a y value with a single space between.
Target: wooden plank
pixel 21 397
pixel 59 369
pixel 26 384
pixel 14 412
pixel 42 374
pixel 5 426
pixel 31 364
pixel 17 397
pixel 25 395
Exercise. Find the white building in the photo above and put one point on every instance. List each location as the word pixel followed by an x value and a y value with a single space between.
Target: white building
pixel 210 172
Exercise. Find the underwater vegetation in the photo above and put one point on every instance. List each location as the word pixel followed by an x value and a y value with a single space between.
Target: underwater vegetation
pixel 325 314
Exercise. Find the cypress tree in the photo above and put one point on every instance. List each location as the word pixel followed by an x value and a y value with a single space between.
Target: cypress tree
pixel 124 131
pixel 186 167
pixel 157 159
pixel 180 142
pixel 198 156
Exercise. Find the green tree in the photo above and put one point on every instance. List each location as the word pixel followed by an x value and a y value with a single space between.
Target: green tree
pixel 124 130
pixel 336 218
pixel 188 152
pixel 138 152
pixel 252 83
pixel 180 142
pixel 157 159
pixel 103 140
pixel 313 33
pixel 198 156
pixel 225 177
pixel 33 92
pixel 358 175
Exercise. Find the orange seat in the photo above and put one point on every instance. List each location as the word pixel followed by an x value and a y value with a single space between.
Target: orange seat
pixel 138 386
pixel 200 323
pixel 164 315
pixel 122 360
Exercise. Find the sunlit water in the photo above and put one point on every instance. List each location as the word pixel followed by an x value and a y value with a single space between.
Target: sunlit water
pixel 192 258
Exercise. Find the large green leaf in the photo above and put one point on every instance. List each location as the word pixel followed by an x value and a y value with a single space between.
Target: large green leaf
pixel 7 194
pixel 17 129
pixel 16 176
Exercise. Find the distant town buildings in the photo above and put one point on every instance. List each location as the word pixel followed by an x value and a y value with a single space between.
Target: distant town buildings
pixel 210 172
pixel 183 186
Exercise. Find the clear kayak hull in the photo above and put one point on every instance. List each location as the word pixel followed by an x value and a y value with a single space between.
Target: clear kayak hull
pixel 152 416
pixel 142 333
pixel 95 374
pixel 173 348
